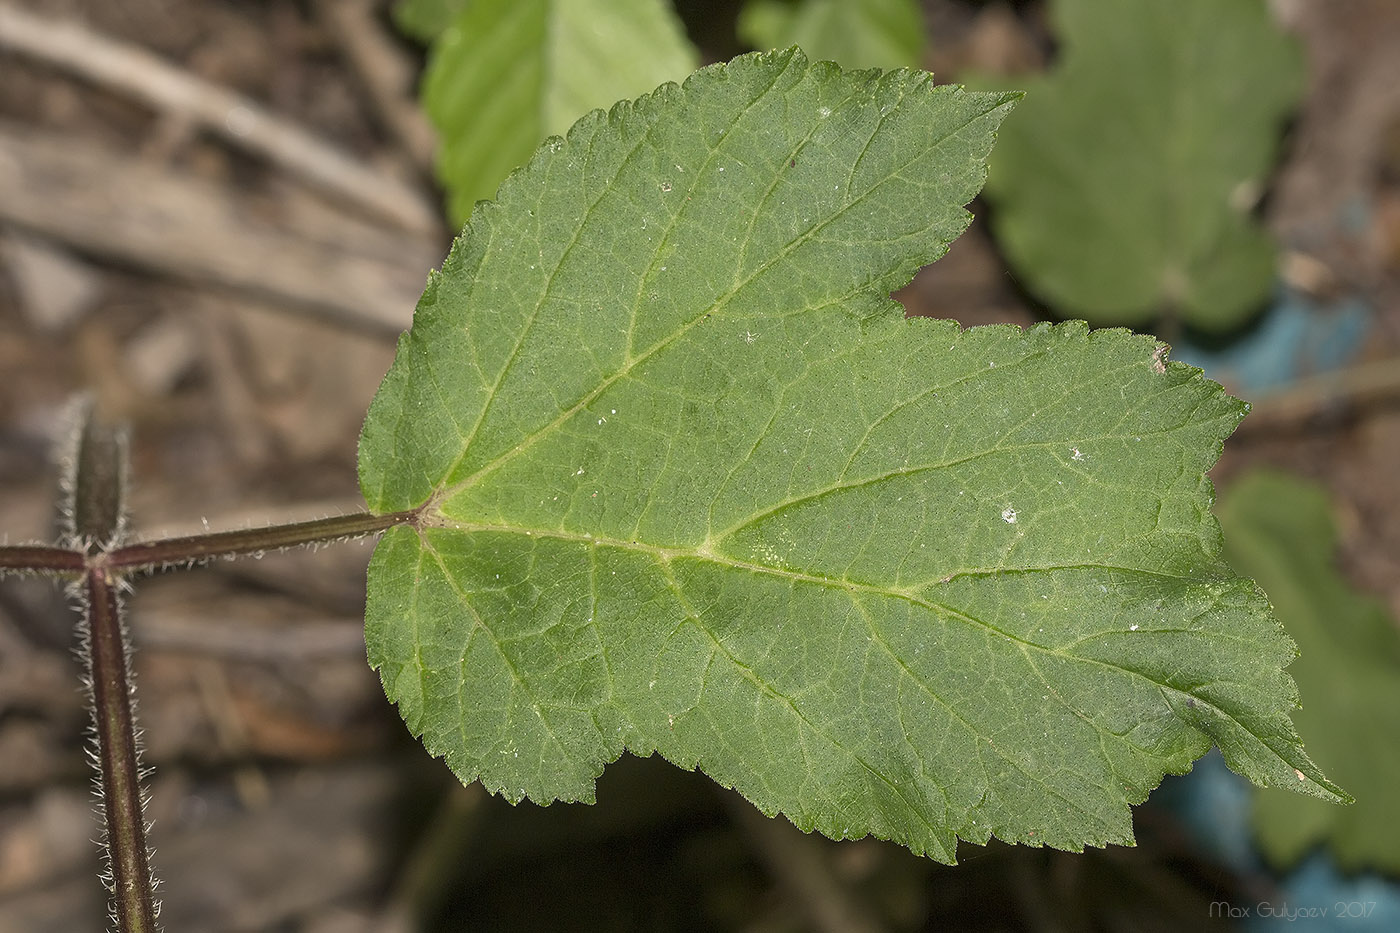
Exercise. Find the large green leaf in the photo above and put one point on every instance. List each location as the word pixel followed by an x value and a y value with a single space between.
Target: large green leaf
pixel 691 483
pixel 1279 529
pixel 855 33
pixel 1124 186
pixel 508 73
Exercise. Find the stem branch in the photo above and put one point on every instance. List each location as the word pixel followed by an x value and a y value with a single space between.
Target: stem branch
pixel 165 552
pixel 96 521
pixel 34 559
pixel 117 754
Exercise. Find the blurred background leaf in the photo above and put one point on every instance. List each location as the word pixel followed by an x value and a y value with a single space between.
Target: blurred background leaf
pixel 425 20
pixel 507 73
pixel 1145 215
pixel 855 33
pixel 1279 530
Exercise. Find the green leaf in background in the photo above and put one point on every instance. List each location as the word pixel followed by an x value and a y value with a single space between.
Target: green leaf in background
pixel 692 484
pixel 1279 530
pixel 855 33
pixel 1124 186
pixel 425 20
pixel 508 73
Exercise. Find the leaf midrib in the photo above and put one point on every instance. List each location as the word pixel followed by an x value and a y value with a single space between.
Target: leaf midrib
pixel 667 555
pixel 663 558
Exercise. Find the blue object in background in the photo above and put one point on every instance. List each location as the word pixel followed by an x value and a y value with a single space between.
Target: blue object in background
pixel 1214 804
pixel 1295 339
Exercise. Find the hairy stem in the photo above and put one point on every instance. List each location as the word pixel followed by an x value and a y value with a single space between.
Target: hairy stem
pixel 118 757
pixel 174 552
pixel 165 552
pixel 94 514
pixel 34 559
pixel 94 556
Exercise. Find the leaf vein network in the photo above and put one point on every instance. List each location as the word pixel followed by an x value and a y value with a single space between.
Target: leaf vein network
pixel 479 624
pixel 716 308
pixel 764 687
pixel 924 686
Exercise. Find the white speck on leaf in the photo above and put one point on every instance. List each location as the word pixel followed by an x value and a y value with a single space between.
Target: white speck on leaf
pixel 580 472
pixel 750 337
pixel 1008 515
pixel 1133 627
pixel 1075 454
pixel 665 186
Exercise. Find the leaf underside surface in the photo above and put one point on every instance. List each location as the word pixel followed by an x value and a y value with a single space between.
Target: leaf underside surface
pixel 1279 529
pixel 508 73
pixel 853 33
pixel 692 484
pixel 1126 184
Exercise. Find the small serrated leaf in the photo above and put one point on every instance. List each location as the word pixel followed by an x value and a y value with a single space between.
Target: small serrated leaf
pixel 691 483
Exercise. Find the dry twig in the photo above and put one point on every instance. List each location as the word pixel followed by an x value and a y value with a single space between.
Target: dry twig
pixel 124 208
pixel 386 73
pixel 1339 391
pixel 796 861
pixel 176 92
